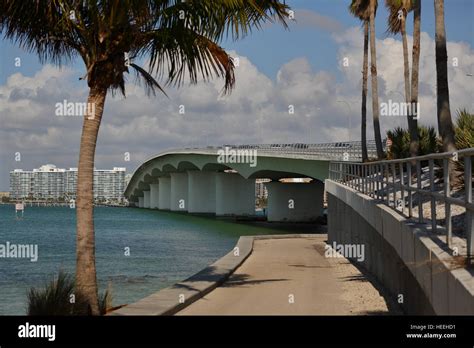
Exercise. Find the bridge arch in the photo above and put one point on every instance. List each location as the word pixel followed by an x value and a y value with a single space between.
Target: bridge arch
pixel 200 179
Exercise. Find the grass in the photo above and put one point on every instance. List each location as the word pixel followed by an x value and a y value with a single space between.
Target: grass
pixel 58 297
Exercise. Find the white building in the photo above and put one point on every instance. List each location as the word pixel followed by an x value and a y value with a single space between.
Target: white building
pixel 49 182
pixel 261 191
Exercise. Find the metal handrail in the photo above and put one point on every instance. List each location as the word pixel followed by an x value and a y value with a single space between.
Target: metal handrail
pixel 388 179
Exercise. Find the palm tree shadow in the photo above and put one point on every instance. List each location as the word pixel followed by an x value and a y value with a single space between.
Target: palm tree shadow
pixel 308 266
pixel 244 279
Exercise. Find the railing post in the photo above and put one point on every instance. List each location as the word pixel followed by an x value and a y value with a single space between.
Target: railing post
pixel 355 176
pixel 371 180
pixel 366 179
pixel 433 200
pixel 402 189
pixel 351 175
pixel 410 197
pixel 386 174
pixel 447 205
pixel 380 182
pixel 469 213
pixel 359 177
pixel 420 195
pixel 394 175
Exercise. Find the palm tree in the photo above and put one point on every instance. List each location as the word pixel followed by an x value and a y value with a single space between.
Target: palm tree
pixel 398 11
pixel 445 124
pixel 179 38
pixel 357 9
pixel 415 70
pixel 373 73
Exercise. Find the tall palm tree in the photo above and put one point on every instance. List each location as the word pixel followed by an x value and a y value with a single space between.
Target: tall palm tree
pixel 373 73
pixel 179 38
pixel 398 11
pixel 357 9
pixel 415 71
pixel 445 124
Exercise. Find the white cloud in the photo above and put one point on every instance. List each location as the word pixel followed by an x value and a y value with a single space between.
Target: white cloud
pixel 255 112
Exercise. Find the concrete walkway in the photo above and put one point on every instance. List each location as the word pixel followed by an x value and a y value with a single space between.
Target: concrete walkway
pixel 292 277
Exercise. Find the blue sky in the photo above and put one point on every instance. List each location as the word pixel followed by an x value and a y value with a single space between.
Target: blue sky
pixel 306 59
pixel 264 47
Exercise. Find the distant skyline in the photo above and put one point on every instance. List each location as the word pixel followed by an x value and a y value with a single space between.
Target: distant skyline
pixel 301 67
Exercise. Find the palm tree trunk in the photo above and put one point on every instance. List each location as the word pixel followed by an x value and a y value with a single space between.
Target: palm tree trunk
pixel 363 124
pixel 445 124
pixel 406 65
pixel 373 73
pixel 412 126
pixel 415 67
pixel 86 280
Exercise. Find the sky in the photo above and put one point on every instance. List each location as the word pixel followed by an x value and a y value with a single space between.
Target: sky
pixel 302 67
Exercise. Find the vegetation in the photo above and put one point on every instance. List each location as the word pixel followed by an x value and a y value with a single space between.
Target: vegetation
pixel 464 137
pixel 398 12
pixel 445 125
pixel 464 130
pixel 180 39
pixel 58 297
pixel 366 10
pixel 360 9
pixel 374 83
pixel 400 137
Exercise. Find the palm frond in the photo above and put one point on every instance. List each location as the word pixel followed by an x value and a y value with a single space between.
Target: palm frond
pixel 180 52
pixel 150 84
pixel 186 34
pixel 394 23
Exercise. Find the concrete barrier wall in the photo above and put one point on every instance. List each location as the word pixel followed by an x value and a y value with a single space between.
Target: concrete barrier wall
pixel 415 266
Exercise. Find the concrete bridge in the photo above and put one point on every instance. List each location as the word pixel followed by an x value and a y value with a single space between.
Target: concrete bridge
pixel 221 180
pixel 374 207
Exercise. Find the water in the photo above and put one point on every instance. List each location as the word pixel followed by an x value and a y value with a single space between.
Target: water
pixel 164 248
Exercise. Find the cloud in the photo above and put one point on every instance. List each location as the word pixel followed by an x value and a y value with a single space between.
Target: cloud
pixel 326 107
pixel 311 19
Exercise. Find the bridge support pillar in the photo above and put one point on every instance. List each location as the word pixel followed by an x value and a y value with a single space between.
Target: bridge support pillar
pixel 146 199
pixel 164 193
pixel 154 197
pixel 235 195
pixel 179 192
pixel 140 202
pixel 201 192
pixel 295 202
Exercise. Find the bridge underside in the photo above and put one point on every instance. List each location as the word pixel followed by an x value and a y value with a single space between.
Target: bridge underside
pixel 197 183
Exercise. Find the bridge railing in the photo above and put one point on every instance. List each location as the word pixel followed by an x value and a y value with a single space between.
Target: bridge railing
pixel 348 150
pixel 425 179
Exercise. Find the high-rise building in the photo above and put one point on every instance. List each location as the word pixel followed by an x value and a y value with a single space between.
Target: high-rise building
pixel 128 177
pixel 21 184
pixel 49 182
pixel 261 191
pixel 109 184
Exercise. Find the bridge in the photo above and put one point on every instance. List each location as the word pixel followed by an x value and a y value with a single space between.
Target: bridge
pixel 421 255
pixel 221 180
